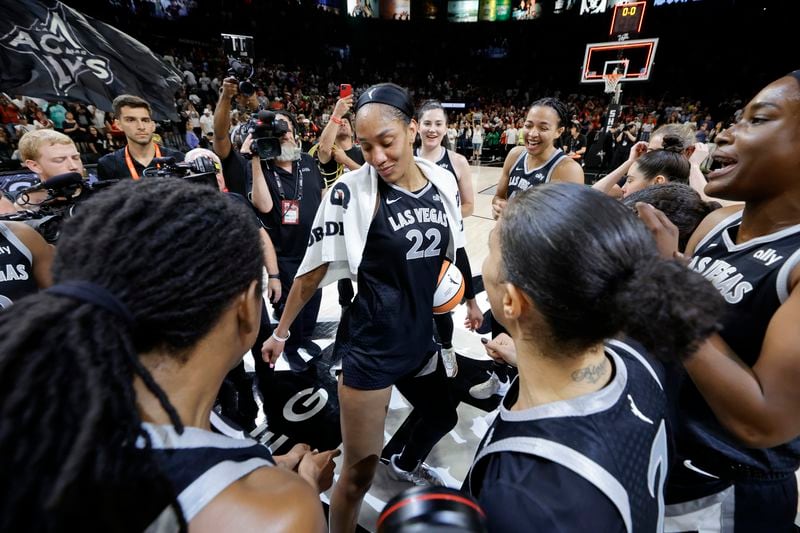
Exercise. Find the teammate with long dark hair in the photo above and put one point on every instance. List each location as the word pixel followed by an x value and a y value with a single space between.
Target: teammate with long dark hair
pixel 539 160
pixel 396 226
pixel 739 421
pixel 433 134
pixel 107 379
pixel 584 425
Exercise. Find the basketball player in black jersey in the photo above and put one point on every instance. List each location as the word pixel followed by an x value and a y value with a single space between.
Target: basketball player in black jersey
pixel 385 337
pixel 580 443
pixel 107 378
pixel 25 260
pixel 538 160
pixel 739 421
pixel 433 133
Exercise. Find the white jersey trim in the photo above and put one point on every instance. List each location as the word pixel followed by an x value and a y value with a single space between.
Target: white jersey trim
pixel 14 240
pixel 639 357
pixel 412 194
pixel 213 481
pixel 572 460
pixel 540 167
pixel 716 229
pixel 164 437
pixel 587 404
pixel 782 282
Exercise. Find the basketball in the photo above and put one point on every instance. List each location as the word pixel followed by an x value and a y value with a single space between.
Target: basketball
pixel 449 289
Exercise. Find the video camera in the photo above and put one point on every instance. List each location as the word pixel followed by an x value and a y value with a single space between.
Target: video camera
pixel 65 193
pixel 202 170
pixel 267 134
pixel 239 50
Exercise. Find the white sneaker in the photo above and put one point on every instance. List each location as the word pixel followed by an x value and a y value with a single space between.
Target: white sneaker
pixel 422 475
pixel 489 388
pixel 450 362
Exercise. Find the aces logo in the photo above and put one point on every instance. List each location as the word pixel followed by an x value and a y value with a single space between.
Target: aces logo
pixel 59 51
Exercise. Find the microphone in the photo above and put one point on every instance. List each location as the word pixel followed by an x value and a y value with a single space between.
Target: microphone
pixel 59 181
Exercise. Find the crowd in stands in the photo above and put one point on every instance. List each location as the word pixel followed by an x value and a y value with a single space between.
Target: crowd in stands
pixel 483 129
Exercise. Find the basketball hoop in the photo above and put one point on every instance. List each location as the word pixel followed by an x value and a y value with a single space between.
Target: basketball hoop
pixel 612 81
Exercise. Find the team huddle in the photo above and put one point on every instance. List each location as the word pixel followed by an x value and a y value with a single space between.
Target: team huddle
pixel 651 331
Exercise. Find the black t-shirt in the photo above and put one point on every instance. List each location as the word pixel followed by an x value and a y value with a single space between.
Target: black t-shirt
pixel 573 144
pixel 291 240
pixel 330 169
pixel 238 173
pixel 114 167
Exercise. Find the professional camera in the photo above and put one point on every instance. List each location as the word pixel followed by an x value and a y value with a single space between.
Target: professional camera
pixel 243 72
pixel 202 170
pixel 65 193
pixel 239 49
pixel 267 135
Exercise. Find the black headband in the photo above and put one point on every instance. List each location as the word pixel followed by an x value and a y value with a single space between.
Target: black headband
pixel 388 94
pixel 94 294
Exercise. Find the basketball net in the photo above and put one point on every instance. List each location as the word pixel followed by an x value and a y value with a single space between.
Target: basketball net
pixel 611 81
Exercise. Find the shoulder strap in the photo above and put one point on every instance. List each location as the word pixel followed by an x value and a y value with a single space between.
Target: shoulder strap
pixel 570 459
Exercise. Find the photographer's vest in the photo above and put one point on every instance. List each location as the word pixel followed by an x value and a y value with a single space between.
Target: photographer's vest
pixel 16 268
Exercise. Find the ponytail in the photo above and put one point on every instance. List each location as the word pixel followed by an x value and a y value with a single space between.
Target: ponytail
pixel 74 452
pixel 668 308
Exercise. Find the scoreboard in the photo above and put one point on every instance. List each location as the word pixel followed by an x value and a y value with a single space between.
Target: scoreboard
pixel 628 18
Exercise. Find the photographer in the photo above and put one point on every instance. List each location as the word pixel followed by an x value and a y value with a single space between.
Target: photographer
pixel 624 139
pixel 133 116
pixel 25 260
pixel 287 190
pixel 235 168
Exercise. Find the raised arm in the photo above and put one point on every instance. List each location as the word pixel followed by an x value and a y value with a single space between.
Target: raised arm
pixel 606 183
pixel 328 136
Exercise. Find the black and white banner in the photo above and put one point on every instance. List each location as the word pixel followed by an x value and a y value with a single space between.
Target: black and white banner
pixel 49 50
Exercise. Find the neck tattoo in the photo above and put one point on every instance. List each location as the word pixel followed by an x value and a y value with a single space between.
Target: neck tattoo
pixel 590 374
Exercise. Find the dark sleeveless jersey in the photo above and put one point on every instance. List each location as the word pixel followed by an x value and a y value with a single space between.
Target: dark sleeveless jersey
pixel 389 324
pixel 200 464
pixel 753 278
pixel 522 178
pixel 598 460
pixel 16 268
pixel 444 162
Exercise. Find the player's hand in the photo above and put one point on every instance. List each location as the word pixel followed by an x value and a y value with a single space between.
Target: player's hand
pixel 317 468
pixel 291 460
pixel 339 155
pixel 474 318
pixel 498 204
pixel 271 350
pixel 230 87
pixel 274 290
pixel 637 151
pixel 664 232
pixel 343 105
pixel 501 349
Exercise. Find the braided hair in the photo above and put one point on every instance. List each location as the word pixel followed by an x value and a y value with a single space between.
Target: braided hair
pixel 74 453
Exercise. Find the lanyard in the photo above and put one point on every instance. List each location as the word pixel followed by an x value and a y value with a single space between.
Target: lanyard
pixel 129 162
pixel 298 186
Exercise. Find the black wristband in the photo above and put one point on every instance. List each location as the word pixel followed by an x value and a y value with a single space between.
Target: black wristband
pixel 273 276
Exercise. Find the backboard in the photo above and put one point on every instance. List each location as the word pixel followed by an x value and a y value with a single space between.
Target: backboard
pixel 603 58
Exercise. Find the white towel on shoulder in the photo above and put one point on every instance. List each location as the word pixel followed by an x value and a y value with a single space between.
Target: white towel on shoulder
pixel 339 233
